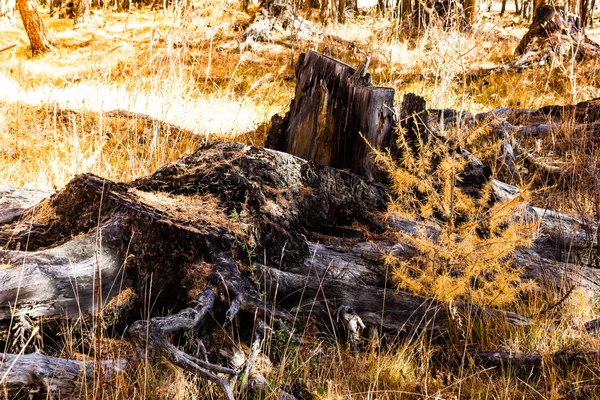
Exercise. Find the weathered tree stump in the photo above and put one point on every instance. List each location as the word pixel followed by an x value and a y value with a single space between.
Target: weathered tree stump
pixel 329 113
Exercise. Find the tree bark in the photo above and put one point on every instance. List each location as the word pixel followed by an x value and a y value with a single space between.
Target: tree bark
pixel 51 376
pixel 38 38
pixel 331 111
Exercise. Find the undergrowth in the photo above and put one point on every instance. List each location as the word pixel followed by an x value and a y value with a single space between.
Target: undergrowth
pixel 468 254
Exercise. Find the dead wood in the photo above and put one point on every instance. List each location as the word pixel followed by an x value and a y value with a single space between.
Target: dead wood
pixel 294 213
pixel 534 362
pixel 13 201
pixel 554 35
pixel 553 32
pixel 149 337
pixel 329 113
pixel 46 376
pixel 60 281
pixel 275 16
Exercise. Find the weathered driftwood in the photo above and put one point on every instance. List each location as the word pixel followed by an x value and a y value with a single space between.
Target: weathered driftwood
pixel 62 281
pixel 13 201
pixel 329 113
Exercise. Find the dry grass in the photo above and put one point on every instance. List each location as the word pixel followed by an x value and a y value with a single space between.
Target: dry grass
pixel 185 70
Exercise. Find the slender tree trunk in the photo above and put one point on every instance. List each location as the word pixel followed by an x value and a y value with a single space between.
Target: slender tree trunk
pixel 82 12
pixel 584 12
pixel 341 17
pixel 503 9
pixel 406 8
pixel 471 10
pixel 38 38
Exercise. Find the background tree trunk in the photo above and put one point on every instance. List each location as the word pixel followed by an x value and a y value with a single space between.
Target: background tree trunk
pixel 471 7
pixel 38 38
pixel 82 12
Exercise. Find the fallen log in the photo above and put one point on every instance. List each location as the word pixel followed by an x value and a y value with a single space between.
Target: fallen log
pixel 61 281
pixel 534 362
pixel 51 377
pixel 13 201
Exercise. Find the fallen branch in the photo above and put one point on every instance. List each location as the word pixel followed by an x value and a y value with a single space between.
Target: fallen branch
pixel 51 376
pixel 8 48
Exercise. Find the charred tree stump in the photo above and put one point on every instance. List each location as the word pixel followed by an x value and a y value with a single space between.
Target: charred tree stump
pixel 330 111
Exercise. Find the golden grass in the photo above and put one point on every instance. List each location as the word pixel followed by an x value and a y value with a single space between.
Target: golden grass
pixel 186 70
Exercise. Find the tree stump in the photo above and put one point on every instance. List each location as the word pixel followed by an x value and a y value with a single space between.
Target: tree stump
pixel 329 113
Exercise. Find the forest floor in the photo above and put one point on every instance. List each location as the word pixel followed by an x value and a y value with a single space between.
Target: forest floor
pixel 188 70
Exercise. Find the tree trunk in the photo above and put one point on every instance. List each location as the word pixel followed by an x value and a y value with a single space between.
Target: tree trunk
pixel 471 8
pixel 82 11
pixel 554 32
pixel 38 38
